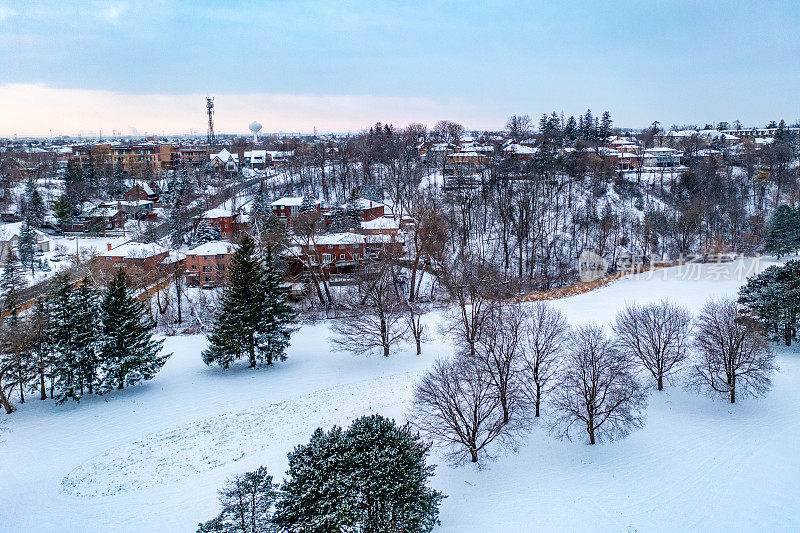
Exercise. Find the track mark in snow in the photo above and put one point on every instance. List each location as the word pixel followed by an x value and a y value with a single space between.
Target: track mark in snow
pixel 206 444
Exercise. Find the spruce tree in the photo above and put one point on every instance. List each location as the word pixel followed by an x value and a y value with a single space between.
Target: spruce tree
pixel 12 281
pixel 206 232
pixel 128 351
pixel 36 209
pixel 61 331
pixel 783 232
pixel 87 335
pixel 773 297
pixel 308 204
pixel 27 246
pixel 253 320
pixel 279 316
pixel 63 211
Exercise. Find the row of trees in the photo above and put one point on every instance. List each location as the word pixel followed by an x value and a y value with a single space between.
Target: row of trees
pixel 371 477
pixel 515 361
pixel 78 341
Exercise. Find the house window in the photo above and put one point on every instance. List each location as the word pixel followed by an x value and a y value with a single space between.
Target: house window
pixel 330 247
pixel 207 268
pixel 220 267
pixel 194 267
pixel 327 258
pixel 208 278
pixel 341 256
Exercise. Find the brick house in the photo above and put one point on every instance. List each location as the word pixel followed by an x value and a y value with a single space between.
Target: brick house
pixel 145 256
pixel 335 252
pixel 142 191
pixel 207 265
pixel 288 207
pixel 368 209
pixel 228 222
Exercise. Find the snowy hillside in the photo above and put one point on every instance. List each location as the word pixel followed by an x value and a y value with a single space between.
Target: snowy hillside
pixel 152 458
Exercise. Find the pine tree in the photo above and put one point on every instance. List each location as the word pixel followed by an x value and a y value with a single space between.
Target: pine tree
pixel 783 232
pixel 87 335
pixel 773 297
pixel 35 205
pixel 41 345
pixel 61 331
pixel 337 222
pixel 247 502
pixel 279 316
pixel 178 222
pixel 63 210
pixel 26 245
pixel 206 232
pixel 605 126
pixel 308 204
pixel 12 281
pixel 370 478
pixel 253 319
pixel 128 351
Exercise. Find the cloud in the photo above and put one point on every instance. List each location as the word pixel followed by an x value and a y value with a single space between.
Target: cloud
pixel 113 12
pixel 35 110
pixel 6 13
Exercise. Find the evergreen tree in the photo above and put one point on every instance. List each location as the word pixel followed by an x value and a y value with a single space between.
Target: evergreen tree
pixel 247 502
pixel 338 221
pixel 63 210
pixel 87 317
pixel 773 297
pixel 128 351
pixel 605 126
pixel 61 332
pixel 26 245
pixel 783 232
pixel 206 232
pixel 308 204
pixel 370 478
pixel 35 205
pixel 279 316
pixel 571 130
pixel 253 319
pixel 178 222
pixel 89 173
pixel 12 281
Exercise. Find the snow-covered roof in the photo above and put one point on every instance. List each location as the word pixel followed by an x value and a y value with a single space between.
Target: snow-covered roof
pixel 217 213
pixel 339 238
pixel 136 250
pixel 292 201
pixel 381 223
pixel 661 150
pixel 224 156
pixel 103 212
pixel 13 229
pixel 213 248
pixel 280 154
pixel 256 154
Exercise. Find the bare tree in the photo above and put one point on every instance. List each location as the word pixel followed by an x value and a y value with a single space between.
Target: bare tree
pixel 597 390
pixel 546 331
pixel 377 319
pixel 457 407
pixel 657 335
pixel 733 355
pixel 499 353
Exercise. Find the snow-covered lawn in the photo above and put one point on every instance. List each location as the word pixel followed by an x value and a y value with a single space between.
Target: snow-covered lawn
pixel 152 458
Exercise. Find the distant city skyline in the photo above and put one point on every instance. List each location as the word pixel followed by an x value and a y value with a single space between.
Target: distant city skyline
pixel 146 66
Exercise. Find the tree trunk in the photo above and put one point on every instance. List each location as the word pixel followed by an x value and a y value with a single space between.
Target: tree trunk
pixel 787 335
pixel 660 381
pixel 42 390
pixel 473 455
pixel 538 398
pixel 5 403
pixel 591 434
pixel 252 351
pixel 733 395
pixel 419 345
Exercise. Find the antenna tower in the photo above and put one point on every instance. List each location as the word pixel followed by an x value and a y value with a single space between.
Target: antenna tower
pixel 210 107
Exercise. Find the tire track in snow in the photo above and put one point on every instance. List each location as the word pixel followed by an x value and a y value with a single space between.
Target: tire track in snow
pixel 210 443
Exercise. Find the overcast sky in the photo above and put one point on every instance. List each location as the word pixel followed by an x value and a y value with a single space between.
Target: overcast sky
pixel 146 66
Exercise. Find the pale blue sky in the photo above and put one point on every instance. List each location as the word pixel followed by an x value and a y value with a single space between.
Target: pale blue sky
pixel 360 62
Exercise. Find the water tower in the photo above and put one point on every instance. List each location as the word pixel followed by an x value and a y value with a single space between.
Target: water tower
pixel 255 127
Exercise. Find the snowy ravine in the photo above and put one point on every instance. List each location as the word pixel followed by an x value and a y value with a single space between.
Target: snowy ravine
pixel 153 457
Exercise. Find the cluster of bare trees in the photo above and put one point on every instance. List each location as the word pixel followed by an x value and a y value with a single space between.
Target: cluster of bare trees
pixel 515 362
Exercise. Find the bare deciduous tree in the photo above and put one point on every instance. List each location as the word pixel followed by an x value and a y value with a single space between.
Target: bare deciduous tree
pixel 378 318
pixel 657 335
pixel 597 390
pixel 546 331
pixel 733 355
pixel 499 353
pixel 456 406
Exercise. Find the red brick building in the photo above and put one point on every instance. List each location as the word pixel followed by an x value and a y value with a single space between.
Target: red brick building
pixel 207 265
pixel 288 207
pixel 335 252
pixel 228 222
pixel 145 256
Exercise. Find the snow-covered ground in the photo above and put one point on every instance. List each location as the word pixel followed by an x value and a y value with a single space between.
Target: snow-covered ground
pixel 153 457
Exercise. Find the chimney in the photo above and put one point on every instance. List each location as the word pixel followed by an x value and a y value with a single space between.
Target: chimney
pixel 109 247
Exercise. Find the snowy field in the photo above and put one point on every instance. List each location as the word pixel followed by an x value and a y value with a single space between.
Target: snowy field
pixel 152 458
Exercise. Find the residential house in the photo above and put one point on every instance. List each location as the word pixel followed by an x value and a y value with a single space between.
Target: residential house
pixel 9 238
pixel 143 255
pixel 207 265
pixel 288 207
pixel 228 222
pixel 259 159
pixel 334 252
pixel 225 162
